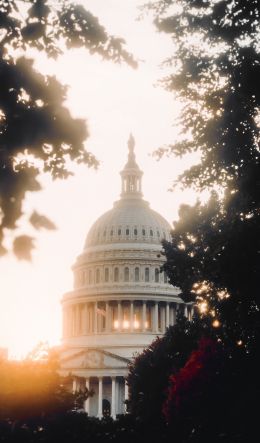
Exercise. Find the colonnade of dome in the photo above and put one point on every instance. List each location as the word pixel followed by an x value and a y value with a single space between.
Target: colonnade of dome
pixel 119 316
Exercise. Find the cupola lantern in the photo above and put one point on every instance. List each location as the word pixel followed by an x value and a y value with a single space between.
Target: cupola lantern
pixel 131 174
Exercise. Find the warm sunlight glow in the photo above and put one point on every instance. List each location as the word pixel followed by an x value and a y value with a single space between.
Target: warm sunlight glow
pixel 216 324
pixel 126 324
pixel 116 324
pixel 203 307
pixel 114 100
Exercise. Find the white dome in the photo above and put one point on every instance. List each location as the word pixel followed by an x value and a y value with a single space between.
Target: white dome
pixel 120 301
pixel 131 220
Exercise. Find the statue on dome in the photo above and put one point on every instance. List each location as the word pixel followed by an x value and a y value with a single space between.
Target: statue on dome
pixel 131 143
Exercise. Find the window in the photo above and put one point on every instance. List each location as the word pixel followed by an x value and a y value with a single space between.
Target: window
pixel 165 277
pixel 146 274
pixel 104 233
pixel 126 274
pixel 98 276
pixel 111 232
pixel 90 277
pixel 156 275
pixel 106 274
pixel 119 231
pixel 151 232
pixel 116 274
pixel 137 274
pixel 135 231
pixel 127 231
pixel 158 234
pixel 143 231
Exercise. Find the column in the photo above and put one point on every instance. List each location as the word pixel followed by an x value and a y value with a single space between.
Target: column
pixel 85 325
pixel 163 312
pixel 113 398
pixel 95 318
pixel 91 317
pixel 126 395
pixel 100 397
pixel 131 316
pixel 155 317
pixel 144 316
pixel 86 406
pixel 108 317
pixel 119 315
pixel 77 322
pixel 167 314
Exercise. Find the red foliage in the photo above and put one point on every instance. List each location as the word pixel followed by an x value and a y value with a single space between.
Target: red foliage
pixel 188 386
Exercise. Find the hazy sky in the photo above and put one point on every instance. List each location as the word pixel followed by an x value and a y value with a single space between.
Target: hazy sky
pixel 115 100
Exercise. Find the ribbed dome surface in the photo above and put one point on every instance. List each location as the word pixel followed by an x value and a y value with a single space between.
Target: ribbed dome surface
pixel 129 221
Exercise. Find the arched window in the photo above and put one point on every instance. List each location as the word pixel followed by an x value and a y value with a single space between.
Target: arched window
pixel 106 274
pixel 135 231
pixel 146 274
pixel 143 231
pixel 156 275
pixel 127 231
pixel 165 278
pixel 90 277
pixel 137 274
pixel 116 274
pixel 158 234
pixel 126 274
pixel 98 276
pixel 151 232
pixel 119 231
pixel 111 232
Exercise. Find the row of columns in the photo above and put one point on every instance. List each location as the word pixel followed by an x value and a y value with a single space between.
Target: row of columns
pixel 87 318
pixel 99 395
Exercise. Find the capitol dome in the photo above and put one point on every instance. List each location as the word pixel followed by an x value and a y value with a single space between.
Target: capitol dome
pixel 121 300
pixel 129 221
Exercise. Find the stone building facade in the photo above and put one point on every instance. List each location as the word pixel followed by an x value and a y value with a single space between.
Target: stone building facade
pixel 120 301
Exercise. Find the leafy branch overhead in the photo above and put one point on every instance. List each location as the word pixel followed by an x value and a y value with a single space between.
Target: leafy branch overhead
pixel 214 256
pixel 37 132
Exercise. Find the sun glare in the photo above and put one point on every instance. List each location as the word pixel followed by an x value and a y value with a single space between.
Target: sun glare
pixel 114 100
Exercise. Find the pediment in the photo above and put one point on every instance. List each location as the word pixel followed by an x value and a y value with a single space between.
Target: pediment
pixel 93 359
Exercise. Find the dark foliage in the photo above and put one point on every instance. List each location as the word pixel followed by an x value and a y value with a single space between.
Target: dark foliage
pixel 32 389
pixel 149 373
pixel 214 256
pixel 37 132
pixel 207 399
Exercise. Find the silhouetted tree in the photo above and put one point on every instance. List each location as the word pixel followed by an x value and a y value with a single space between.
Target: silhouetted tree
pixel 32 388
pixel 214 254
pixel 207 399
pixel 37 132
pixel 149 373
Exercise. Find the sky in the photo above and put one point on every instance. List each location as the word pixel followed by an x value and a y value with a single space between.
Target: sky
pixel 114 100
